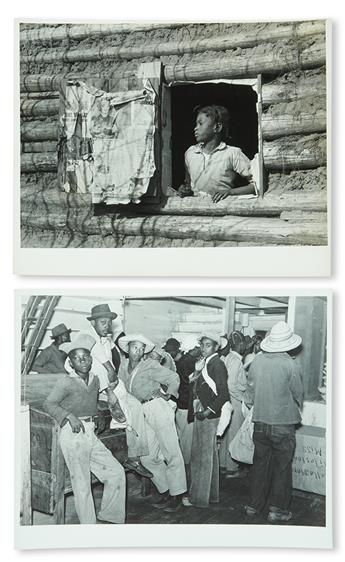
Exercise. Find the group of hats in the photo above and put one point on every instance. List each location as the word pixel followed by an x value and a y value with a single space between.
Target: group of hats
pixel 281 337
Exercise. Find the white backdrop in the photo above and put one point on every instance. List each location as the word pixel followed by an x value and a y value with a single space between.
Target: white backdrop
pixel 193 11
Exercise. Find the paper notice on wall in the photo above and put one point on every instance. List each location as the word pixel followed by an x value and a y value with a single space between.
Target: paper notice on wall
pixel 112 135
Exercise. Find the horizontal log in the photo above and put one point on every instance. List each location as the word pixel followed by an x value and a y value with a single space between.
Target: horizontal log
pixel 250 38
pixel 39 147
pixel 288 153
pixel 265 231
pixel 39 108
pixel 293 118
pixel 38 95
pixel 33 162
pixel 37 238
pixel 274 127
pixel 31 131
pixel 272 205
pixel 36 83
pixel 294 88
pixel 86 30
pixel 250 62
pixel 305 216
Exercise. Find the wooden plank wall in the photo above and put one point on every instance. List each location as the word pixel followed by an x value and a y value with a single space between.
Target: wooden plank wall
pixel 291 57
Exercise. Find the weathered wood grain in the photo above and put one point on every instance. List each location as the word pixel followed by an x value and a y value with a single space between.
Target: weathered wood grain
pixel 250 62
pixel 79 32
pixel 273 204
pixel 31 131
pixel 250 38
pixel 237 229
pixel 39 108
pixel 294 87
pixel 289 121
pixel 302 152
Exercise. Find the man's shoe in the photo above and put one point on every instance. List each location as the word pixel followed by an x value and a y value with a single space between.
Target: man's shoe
pixel 137 467
pixel 250 511
pixel 174 504
pixel 162 502
pixel 186 501
pixel 279 517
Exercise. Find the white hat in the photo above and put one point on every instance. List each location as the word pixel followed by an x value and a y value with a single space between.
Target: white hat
pixel 220 340
pixel 82 341
pixel 125 340
pixel 280 338
pixel 189 342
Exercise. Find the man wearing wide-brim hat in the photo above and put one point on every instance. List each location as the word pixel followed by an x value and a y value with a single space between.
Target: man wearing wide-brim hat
pixel 124 409
pixel 52 359
pixel 275 384
pixel 144 379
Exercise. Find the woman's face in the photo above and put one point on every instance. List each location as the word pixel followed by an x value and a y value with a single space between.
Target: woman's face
pixel 205 128
pixel 208 347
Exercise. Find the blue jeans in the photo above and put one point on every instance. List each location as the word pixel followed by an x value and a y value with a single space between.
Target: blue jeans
pixel 204 465
pixel 271 474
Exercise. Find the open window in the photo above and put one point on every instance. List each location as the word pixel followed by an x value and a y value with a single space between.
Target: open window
pixel 242 98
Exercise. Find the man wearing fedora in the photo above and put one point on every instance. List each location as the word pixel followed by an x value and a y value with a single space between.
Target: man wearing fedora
pixel 52 359
pixel 275 384
pixel 146 379
pixel 73 404
pixel 125 409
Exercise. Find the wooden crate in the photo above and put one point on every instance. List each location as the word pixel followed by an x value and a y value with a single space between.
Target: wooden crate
pixel 50 480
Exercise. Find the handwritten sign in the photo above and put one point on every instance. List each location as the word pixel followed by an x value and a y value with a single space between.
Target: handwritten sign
pixel 309 464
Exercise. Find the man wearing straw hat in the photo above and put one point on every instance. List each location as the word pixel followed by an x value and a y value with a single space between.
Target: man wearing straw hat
pixel 73 404
pixel 145 379
pixel 52 359
pixel 125 409
pixel 277 397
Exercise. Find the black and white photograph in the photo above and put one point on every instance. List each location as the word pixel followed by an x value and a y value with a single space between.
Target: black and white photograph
pixel 201 412
pixel 172 136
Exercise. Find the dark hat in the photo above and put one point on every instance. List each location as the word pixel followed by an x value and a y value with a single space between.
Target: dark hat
pixel 59 330
pixel 101 311
pixel 171 345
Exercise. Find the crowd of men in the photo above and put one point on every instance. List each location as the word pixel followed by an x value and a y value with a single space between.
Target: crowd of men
pixel 181 406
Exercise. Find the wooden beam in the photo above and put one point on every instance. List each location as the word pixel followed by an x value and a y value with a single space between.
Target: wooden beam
pixel 292 87
pixel 36 83
pixel 291 118
pixel 25 475
pixel 39 108
pixel 277 58
pixel 229 315
pixel 32 131
pixel 55 32
pixel 36 162
pixel 266 231
pixel 303 152
pixel 270 33
pixel 273 204
pixel 40 147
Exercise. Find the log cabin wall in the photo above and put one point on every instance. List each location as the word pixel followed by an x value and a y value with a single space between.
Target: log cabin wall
pixel 291 58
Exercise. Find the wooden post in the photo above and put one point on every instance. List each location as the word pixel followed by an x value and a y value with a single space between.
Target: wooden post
pixel 58 478
pixel 25 501
pixel 260 143
pixel 229 320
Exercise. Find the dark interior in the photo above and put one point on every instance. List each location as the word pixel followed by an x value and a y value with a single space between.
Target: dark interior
pixel 239 100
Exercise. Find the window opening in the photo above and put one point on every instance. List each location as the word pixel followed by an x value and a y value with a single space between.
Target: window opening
pixel 239 99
